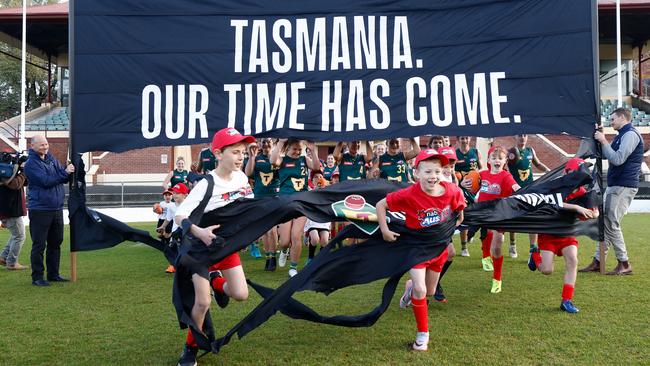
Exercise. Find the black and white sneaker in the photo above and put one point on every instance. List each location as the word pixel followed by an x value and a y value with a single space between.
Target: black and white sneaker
pixel 219 296
pixel 188 357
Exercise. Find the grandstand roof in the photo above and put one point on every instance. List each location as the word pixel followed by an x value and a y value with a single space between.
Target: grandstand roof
pixel 47 28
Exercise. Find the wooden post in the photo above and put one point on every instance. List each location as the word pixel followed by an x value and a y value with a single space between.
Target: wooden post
pixel 73 266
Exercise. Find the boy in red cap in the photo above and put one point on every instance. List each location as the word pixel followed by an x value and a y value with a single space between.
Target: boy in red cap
pixel 230 183
pixel 168 226
pixel 427 203
pixel 567 247
pixel 448 174
pixel 495 183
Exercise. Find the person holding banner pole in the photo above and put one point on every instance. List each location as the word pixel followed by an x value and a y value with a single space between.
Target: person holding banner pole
pixel 625 156
pixel 293 175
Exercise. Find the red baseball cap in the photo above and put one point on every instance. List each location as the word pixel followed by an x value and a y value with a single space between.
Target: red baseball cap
pixel 449 153
pixel 167 191
pixel 573 164
pixel 429 154
pixel 180 188
pixel 229 136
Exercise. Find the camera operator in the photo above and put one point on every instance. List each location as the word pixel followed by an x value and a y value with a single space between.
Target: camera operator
pixel 12 210
pixel 45 202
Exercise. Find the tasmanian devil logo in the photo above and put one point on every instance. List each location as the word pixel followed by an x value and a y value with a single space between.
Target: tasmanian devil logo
pixel 523 174
pixel 298 183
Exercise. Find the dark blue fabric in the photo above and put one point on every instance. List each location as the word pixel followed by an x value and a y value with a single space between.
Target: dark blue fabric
pixel 45 179
pixel 543 47
pixel 626 174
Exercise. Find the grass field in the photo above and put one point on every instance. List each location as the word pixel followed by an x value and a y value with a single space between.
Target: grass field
pixel 120 313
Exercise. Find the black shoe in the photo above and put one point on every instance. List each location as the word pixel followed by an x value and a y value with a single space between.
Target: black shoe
pixel 40 283
pixel 439 296
pixel 188 357
pixel 273 264
pixel 58 279
pixel 219 296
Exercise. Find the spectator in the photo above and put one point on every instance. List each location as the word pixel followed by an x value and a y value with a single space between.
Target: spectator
pixel 12 210
pixel 178 175
pixel 45 202
pixel 207 161
pixel 625 156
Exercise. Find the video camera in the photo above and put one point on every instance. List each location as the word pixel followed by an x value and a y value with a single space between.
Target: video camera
pixel 8 161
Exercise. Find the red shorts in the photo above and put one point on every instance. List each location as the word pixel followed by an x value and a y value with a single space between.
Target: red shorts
pixel 554 243
pixel 226 263
pixel 434 264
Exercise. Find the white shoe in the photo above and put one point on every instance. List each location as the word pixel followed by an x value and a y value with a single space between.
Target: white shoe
pixel 421 342
pixel 464 253
pixel 405 300
pixel 513 251
pixel 293 272
pixel 282 258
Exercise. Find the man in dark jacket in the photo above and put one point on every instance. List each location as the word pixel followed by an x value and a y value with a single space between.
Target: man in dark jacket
pixel 625 156
pixel 12 210
pixel 45 202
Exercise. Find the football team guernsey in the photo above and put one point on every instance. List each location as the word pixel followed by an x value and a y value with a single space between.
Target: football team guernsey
pixel 522 170
pixel 267 183
pixel 327 172
pixel 422 210
pixel 352 167
pixel 393 167
pixel 208 161
pixel 178 177
pixel 293 175
pixel 466 162
pixel 495 186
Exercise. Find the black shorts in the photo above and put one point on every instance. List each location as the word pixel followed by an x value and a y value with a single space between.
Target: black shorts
pixel 317 229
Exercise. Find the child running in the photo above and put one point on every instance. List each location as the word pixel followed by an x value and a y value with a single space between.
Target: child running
pixel 429 202
pixel 230 183
pixel 266 184
pixel 495 183
pixel 567 247
pixel 180 191
pixel 293 179
pixel 317 233
pixel 166 231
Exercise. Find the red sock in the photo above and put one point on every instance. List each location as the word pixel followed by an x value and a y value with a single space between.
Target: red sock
pixel 486 243
pixel 217 283
pixel 421 313
pixel 537 258
pixel 567 292
pixel 190 341
pixel 498 267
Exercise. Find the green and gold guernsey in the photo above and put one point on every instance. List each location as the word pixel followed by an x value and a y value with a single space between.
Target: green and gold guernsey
pixel 178 177
pixel 352 167
pixel 293 175
pixel 522 170
pixel 208 161
pixel 466 162
pixel 393 167
pixel 267 181
pixel 327 172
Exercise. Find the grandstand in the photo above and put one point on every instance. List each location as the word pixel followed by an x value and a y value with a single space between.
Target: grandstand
pixel 55 120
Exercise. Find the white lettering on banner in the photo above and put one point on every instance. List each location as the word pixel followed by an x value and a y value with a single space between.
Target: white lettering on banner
pixel 310 44
pixel 536 199
pixel 467 104
pixel 195 113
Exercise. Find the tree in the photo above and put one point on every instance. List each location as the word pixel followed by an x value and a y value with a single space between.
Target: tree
pixel 36 78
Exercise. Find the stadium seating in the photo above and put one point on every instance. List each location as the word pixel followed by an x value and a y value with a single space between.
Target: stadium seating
pixel 56 120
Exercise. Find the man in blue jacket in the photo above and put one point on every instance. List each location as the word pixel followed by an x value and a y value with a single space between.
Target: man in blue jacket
pixel 625 155
pixel 45 203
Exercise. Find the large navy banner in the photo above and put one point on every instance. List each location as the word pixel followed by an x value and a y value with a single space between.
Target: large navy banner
pixel 172 72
